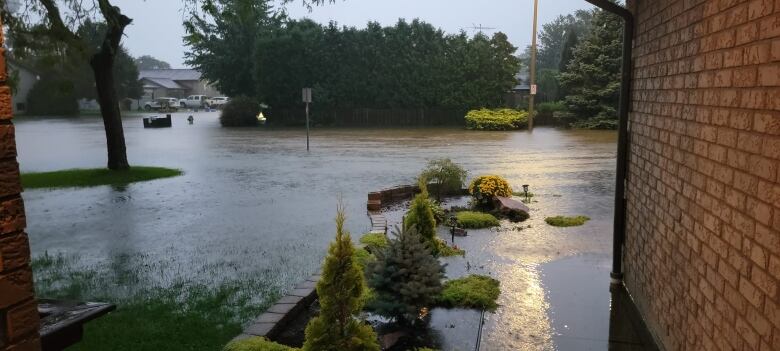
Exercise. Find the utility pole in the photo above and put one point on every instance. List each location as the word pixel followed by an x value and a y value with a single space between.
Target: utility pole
pixel 307 100
pixel 532 94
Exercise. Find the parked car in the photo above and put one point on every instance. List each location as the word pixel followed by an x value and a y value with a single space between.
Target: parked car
pixel 161 103
pixel 217 102
pixel 194 101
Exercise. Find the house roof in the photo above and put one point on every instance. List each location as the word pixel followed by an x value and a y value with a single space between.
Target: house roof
pixel 163 82
pixel 171 74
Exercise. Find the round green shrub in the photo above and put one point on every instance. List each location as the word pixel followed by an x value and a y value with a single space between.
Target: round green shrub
pixel 496 119
pixel 475 220
pixel 240 112
pixel 256 344
pixel 483 188
pixel 473 291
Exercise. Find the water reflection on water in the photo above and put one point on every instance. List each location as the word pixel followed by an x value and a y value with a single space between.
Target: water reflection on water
pixel 255 201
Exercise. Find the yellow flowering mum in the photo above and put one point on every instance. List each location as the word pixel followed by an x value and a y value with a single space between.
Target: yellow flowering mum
pixel 485 187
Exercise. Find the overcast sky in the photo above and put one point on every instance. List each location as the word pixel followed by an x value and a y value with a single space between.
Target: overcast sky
pixel 157 28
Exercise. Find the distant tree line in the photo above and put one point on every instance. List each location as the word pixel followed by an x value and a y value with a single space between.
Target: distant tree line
pixel 578 68
pixel 64 76
pixel 247 49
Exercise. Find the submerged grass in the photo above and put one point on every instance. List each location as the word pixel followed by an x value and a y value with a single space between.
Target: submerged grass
pixel 178 315
pixel 473 291
pixel 71 178
pixel 563 221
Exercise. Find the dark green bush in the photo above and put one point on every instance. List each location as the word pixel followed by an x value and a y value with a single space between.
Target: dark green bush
pixel 52 96
pixel 547 109
pixel 240 112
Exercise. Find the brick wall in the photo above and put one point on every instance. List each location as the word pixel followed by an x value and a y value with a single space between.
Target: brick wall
pixel 18 310
pixel 702 254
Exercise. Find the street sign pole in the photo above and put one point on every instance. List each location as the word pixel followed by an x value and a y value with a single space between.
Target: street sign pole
pixel 307 99
pixel 533 71
pixel 307 126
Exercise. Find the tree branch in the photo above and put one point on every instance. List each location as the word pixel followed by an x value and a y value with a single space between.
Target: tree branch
pixel 58 28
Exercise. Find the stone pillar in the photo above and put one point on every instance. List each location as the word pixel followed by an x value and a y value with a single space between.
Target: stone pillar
pixel 18 309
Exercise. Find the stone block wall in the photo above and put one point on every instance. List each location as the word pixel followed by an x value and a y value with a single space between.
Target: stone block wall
pixel 702 250
pixel 18 309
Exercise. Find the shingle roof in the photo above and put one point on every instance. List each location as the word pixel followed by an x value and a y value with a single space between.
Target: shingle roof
pixel 172 74
pixel 164 82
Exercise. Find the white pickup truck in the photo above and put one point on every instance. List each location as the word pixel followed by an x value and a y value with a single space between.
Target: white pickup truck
pixel 194 101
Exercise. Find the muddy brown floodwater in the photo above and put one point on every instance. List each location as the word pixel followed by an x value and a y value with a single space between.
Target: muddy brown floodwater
pixel 253 201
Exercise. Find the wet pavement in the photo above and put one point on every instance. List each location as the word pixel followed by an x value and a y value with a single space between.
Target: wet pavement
pixel 254 202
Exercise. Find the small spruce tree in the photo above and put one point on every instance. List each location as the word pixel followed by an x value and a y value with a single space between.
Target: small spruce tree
pixel 420 216
pixel 340 292
pixel 405 277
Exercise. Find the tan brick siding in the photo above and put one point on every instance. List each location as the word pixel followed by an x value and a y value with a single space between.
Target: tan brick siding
pixel 702 251
pixel 18 310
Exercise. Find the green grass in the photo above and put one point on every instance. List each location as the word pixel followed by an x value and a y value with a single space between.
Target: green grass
pixel 256 344
pixel 476 220
pixel 176 315
pixel 473 291
pixel 71 178
pixel 563 221
pixel 374 240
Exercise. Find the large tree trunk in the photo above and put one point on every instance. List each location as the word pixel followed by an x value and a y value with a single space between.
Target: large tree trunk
pixel 102 65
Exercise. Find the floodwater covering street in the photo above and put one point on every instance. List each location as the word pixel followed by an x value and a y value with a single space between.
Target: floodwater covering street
pixel 254 203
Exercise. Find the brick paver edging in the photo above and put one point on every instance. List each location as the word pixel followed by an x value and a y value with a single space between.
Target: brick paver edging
pixel 273 321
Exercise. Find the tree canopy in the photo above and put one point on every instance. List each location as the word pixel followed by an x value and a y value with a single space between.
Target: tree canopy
pixel 146 62
pixel 410 64
pixel 38 25
pixel 65 74
pixel 592 77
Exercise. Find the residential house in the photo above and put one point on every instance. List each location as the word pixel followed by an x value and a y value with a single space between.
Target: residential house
pixel 24 77
pixel 178 83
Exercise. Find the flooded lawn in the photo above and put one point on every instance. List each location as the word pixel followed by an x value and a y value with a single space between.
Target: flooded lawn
pixel 253 212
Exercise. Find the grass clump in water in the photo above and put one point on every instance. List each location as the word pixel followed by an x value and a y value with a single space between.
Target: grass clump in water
pixel 476 220
pixel 563 221
pixel 74 178
pixel 374 241
pixel 256 344
pixel 447 251
pixel 473 291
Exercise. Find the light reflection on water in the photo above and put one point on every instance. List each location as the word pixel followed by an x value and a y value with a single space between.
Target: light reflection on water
pixel 254 201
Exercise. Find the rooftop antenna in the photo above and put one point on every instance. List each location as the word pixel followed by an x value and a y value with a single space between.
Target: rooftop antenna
pixel 479 28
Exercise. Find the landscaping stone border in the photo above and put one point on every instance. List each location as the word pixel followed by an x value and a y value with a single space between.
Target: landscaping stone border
pixel 273 321
pixel 384 197
pixel 378 199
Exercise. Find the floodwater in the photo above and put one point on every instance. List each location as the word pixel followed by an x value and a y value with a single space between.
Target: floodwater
pixel 254 201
